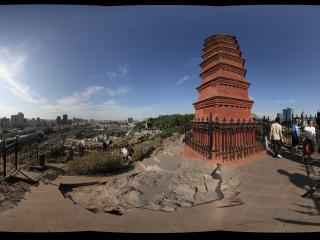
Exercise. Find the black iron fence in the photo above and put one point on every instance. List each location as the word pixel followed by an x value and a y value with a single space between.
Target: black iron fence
pixel 226 141
pixel 230 141
pixel 17 155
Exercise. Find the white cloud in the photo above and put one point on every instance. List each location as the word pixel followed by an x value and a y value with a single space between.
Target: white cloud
pixel 182 80
pixel 117 92
pixel 10 68
pixel 79 97
pixel 77 104
pixel 80 104
pixel 120 73
pixel 109 109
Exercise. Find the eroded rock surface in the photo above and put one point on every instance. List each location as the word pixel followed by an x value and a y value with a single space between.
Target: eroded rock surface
pixel 11 193
pixel 164 182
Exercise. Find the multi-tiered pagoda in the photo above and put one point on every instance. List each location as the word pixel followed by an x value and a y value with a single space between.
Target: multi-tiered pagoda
pixel 223 91
pixel 222 130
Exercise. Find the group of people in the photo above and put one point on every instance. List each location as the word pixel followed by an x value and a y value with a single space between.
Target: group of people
pixel 310 145
pixel 307 136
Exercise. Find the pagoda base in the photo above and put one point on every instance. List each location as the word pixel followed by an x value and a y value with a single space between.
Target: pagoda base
pixel 188 152
pixel 224 107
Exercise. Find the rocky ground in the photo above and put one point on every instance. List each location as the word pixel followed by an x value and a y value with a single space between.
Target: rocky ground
pixel 12 192
pixel 165 181
pixel 14 188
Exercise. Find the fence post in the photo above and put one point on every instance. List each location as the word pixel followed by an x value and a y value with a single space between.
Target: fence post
pixel 16 153
pixel 38 153
pixel 264 132
pixel 185 130
pixel 4 158
pixel 210 136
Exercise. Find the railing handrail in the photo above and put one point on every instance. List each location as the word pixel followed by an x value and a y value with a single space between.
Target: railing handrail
pixel 12 151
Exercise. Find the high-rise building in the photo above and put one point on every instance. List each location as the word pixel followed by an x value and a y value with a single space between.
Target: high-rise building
pixel 280 116
pixel 287 114
pixel 284 115
pixel 130 120
pixel 65 118
pixel 58 119
pixel 5 122
pixel 17 120
pixel 290 113
pixel 318 119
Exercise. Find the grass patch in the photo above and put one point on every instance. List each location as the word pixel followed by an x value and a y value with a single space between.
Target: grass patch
pixel 95 163
pixel 144 149
pixel 100 162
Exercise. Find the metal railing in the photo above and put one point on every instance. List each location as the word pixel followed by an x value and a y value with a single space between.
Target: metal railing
pixel 13 158
pixel 225 141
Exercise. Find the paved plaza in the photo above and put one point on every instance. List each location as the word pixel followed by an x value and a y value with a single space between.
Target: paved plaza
pixel 270 192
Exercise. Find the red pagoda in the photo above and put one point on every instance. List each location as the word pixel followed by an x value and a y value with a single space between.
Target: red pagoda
pixel 224 91
pixel 223 129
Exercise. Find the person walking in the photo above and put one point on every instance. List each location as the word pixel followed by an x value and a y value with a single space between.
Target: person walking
pixel 310 146
pixel 295 135
pixel 104 146
pixel 310 137
pixel 276 137
pixel 81 150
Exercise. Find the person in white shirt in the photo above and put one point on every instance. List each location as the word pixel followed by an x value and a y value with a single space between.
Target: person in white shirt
pixel 310 134
pixel 127 154
pixel 276 137
pixel 311 137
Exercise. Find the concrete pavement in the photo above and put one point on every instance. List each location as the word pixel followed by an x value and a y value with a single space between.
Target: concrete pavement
pixel 270 189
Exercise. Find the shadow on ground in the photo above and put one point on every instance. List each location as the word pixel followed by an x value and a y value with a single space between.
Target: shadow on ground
pixel 297 179
pixel 297 222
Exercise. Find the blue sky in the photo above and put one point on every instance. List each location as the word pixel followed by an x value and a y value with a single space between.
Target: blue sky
pixel 105 62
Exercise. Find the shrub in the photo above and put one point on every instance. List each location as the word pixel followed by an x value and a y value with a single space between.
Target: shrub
pixel 144 149
pixel 95 163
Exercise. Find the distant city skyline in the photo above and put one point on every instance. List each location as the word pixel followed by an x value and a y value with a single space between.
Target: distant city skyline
pixel 112 63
